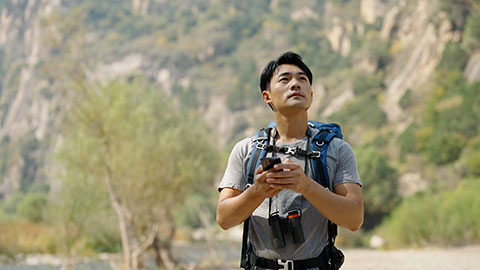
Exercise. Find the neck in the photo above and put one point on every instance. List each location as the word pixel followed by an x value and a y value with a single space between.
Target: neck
pixel 291 128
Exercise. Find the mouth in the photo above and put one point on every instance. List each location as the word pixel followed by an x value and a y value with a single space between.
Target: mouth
pixel 296 94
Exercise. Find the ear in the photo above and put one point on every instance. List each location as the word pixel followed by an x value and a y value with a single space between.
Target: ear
pixel 266 97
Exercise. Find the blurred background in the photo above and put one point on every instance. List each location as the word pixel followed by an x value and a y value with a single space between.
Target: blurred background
pixel 117 118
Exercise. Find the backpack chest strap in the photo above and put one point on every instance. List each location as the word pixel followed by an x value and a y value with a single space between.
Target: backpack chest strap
pixel 293 151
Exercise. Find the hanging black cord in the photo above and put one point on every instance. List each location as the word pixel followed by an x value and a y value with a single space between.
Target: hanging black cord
pixel 307 148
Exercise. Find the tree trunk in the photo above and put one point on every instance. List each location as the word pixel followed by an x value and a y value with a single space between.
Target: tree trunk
pixel 163 255
pixel 205 218
pixel 124 226
pixel 124 218
pixel 163 249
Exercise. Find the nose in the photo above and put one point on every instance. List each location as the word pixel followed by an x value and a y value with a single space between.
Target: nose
pixel 295 84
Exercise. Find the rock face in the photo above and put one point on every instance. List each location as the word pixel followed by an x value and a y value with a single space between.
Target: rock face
pixel 425 43
pixel 29 111
pixel 338 38
pixel 338 102
pixel 28 106
pixel 368 10
pixel 472 70
pixel 389 22
pixel 128 65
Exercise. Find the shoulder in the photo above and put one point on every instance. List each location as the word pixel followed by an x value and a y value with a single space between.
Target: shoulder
pixel 243 147
pixel 340 146
pixel 339 143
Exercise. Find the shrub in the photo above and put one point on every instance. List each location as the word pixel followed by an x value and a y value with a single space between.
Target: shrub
pixel 26 237
pixel 451 118
pixel 471 40
pixel 445 147
pixel 472 157
pixel 364 83
pixel 407 100
pixel 32 206
pixel 363 110
pixel 406 141
pixel 453 58
pixel 380 185
pixel 447 218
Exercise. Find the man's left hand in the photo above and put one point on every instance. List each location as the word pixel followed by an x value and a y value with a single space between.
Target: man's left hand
pixel 290 176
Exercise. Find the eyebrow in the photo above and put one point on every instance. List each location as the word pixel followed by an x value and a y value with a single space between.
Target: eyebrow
pixel 289 73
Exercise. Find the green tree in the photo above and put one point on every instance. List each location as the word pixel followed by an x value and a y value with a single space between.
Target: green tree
pixel 446 218
pixel 32 206
pixel 380 185
pixel 126 141
pixel 471 39
pixel 445 119
pixel 362 110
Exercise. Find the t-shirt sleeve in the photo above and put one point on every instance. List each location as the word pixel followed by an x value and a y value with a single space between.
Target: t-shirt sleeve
pixel 234 176
pixel 347 169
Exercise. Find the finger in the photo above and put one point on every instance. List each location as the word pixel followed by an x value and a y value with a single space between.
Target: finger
pixel 287 166
pixel 259 170
pixel 285 186
pixel 280 181
pixel 283 174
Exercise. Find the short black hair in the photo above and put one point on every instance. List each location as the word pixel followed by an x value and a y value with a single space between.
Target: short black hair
pixel 290 58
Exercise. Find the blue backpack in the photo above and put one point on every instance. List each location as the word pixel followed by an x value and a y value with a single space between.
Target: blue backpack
pixel 317 154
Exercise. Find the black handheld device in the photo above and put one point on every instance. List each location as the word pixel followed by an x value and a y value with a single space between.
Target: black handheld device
pixel 269 162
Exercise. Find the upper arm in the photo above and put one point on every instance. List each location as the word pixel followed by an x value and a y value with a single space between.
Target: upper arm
pixel 227 193
pixel 234 176
pixel 352 191
pixel 345 169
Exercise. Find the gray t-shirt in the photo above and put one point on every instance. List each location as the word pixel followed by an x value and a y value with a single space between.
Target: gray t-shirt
pixel 342 168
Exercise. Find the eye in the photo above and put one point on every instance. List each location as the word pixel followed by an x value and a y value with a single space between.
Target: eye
pixel 283 79
pixel 303 78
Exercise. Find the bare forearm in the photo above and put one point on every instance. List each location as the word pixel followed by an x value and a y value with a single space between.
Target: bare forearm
pixel 232 211
pixel 344 209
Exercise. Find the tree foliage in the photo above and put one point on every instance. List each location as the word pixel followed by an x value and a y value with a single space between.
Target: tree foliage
pixel 128 146
pixel 446 218
pixel 472 31
pixel 451 118
pixel 380 182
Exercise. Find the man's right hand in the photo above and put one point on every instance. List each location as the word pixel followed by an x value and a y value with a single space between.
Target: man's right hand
pixel 234 206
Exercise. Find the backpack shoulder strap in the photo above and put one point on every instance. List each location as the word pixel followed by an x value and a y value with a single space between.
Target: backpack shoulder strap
pixel 320 142
pixel 259 150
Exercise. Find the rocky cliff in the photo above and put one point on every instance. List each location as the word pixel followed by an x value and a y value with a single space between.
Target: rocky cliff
pixel 416 33
pixel 27 107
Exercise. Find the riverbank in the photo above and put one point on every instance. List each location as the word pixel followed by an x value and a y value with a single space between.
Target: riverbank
pixel 225 256
pixel 457 258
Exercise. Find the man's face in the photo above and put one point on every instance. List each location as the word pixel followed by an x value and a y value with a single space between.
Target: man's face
pixel 290 89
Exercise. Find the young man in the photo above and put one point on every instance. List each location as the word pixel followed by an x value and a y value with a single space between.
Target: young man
pixel 286 86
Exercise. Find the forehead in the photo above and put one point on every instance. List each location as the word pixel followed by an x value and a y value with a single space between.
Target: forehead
pixel 287 68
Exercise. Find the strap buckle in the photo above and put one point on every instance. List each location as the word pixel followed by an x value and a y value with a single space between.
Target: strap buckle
pixel 260 139
pixel 262 146
pixel 320 143
pixel 286 265
pixel 315 154
pixel 291 151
